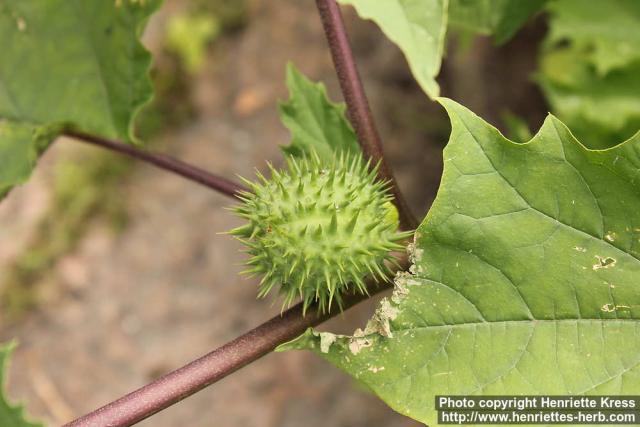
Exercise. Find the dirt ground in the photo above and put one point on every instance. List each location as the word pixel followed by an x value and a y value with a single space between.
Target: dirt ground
pixel 123 308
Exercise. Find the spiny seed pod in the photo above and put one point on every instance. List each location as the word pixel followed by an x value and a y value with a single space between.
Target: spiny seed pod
pixel 316 230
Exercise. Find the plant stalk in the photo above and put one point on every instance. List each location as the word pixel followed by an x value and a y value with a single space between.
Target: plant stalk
pixel 178 167
pixel 358 109
pixel 193 377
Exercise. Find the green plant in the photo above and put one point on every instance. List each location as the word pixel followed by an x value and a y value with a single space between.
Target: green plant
pixel 520 279
pixel 318 229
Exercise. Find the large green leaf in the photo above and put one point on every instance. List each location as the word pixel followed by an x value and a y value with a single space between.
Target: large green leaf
pixel 316 124
pixel 10 415
pixel 524 277
pixel 76 63
pixel 418 27
pixel 500 18
pixel 607 31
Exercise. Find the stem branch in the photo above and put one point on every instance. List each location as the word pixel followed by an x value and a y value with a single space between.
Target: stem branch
pixel 357 105
pixel 193 377
pixel 190 172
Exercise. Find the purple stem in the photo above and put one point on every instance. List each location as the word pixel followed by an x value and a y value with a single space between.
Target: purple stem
pixel 357 105
pixel 193 377
pixel 190 172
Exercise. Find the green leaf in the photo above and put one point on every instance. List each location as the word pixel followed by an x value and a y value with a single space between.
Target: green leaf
pixel 524 277
pixel 20 146
pixel 10 415
pixel 608 32
pixel 500 18
pixel 77 63
pixel 74 61
pixel 316 124
pixel 418 27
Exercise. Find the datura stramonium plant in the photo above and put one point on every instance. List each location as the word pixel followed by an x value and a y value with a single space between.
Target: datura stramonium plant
pixel 317 229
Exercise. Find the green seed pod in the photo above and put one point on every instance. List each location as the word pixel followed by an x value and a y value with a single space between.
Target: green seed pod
pixel 316 230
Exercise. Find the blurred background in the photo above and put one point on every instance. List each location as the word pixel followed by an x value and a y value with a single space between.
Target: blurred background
pixel 113 273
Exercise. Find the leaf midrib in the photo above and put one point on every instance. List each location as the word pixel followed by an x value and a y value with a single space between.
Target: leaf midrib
pixel 532 321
